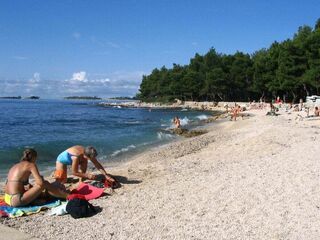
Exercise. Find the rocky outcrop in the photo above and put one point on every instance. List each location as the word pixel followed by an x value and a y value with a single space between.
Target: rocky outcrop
pixel 188 133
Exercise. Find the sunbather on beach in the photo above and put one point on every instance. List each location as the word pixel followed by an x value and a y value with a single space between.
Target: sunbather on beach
pixel 296 108
pixel 316 112
pixel 77 157
pixel 18 191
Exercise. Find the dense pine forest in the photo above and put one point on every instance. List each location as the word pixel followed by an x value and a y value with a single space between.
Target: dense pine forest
pixel 289 69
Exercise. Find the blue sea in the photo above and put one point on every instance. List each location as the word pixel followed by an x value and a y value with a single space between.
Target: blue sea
pixel 51 126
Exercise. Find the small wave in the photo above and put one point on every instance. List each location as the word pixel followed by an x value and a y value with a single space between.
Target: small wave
pixel 184 110
pixel 117 106
pixel 122 150
pixel 170 127
pixel 145 143
pixel 133 122
pixel 202 117
pixel 184 121
pixel 163 136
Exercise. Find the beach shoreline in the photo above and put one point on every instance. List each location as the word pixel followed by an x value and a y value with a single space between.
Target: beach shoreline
pixel 178 104
pixel 254 178
pixel 108 158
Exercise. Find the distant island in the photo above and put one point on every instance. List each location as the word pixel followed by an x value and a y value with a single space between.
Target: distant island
pixel 83 97
pixel 11 97
pixel 19 97
pixel 33 97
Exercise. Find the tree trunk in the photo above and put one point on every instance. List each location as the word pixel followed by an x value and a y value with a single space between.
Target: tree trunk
pixel 305 88
pixel 294 97
pixel 221 97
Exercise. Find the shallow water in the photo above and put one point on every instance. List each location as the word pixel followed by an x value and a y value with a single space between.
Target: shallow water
pixel 51 126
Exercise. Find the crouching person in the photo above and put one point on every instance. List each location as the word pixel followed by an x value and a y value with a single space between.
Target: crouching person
pixel 78 157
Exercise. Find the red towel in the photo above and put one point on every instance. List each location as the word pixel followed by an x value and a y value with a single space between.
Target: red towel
pixel 75 195
pixel 87 191
pixel 3 214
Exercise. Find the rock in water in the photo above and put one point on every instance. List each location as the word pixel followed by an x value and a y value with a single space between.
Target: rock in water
pixel 186 133
pixel 194 133
pixel 179 131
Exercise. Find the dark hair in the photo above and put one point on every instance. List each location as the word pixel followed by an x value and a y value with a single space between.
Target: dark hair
pixel 29 154
pixel 90 152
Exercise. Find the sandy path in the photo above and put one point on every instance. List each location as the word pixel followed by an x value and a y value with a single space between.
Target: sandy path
pixel 252 179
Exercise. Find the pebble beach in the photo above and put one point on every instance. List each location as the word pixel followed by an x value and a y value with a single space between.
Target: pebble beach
pixel 254 178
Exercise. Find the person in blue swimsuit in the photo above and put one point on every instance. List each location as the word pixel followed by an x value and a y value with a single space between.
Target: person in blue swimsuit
pixel 77 157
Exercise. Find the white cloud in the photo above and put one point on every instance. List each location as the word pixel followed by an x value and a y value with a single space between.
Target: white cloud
pixel 10 87
pixel 121 83
pixel 35 79
pixel 33 83
pixel 31 86
pixel 79 76
pixel 105 80
pixel 74 90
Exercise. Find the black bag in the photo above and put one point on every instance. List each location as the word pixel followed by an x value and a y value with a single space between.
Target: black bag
pixel 79 208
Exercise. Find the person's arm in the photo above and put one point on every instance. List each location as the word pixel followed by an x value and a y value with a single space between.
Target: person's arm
pixel 75 170
pixel 101 169
pixel 36 175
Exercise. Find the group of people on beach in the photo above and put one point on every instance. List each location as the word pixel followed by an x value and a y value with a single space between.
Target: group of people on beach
pixel 19 191
pixel 278 103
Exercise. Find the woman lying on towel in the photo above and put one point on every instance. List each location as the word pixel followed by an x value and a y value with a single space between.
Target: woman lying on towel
pixel 77 157
pixel 18 191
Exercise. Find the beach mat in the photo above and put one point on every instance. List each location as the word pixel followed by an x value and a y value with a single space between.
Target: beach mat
pixel 13 212
pixel 88 191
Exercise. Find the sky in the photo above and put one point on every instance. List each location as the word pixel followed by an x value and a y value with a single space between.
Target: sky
pixel 58 48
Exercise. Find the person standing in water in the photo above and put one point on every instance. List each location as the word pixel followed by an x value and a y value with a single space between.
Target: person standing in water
pixel 77 157
pixel 176 121
pixel 18 190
